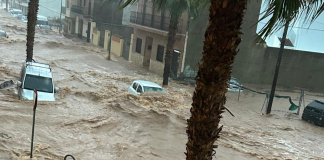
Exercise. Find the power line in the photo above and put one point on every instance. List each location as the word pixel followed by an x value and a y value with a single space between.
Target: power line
pixel 298 27
pixel 48 1
pixel 49 9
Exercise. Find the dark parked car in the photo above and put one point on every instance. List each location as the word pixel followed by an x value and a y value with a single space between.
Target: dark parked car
pixel 3 34
pixel 314 112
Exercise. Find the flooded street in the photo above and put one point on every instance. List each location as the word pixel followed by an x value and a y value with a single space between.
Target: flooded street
pixel 95 118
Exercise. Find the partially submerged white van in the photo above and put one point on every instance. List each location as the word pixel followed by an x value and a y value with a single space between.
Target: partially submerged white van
pixel 36 76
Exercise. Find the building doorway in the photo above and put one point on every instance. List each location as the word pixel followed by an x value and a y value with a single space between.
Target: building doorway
pixel 175 63
pixel 147 51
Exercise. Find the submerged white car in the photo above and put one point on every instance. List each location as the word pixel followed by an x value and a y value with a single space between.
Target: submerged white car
pixel 140 86
pixel 36 76
pixel 16 12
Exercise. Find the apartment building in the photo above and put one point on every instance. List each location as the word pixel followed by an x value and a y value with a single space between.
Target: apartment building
pixel 78 17
pixel 150 38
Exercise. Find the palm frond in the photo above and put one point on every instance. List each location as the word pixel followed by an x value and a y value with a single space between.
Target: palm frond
pixel 281 11
pixel 122 4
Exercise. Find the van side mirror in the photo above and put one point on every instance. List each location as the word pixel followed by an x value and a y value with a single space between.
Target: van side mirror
pixel 7 36
pixel 56 89
pixel 19 84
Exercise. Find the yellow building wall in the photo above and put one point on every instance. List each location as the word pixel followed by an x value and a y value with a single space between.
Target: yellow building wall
pixel 117 45
pixel 93 25
pixel 96 36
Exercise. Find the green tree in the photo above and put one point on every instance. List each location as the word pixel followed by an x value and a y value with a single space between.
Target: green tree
pixel 222 37
pixel 175 8
pixel 31 24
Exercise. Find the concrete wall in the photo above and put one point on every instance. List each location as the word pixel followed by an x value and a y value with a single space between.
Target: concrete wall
pixel 157 67
pixel 96 37
pixel 195 42
pixel 103 10
pixel 117 45
pixel 248 48
pixel 137 58
pixel 93 25
pixel 299 69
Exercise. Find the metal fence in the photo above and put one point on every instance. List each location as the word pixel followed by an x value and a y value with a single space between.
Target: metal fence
pixel 153 21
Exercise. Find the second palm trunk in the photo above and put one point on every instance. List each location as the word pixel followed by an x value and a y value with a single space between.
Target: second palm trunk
pixel 222 37
pixel 173 27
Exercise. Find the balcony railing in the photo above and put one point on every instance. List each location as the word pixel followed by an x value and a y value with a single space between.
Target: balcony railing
pixel 153 21
pixel 87 12
pixel 77 9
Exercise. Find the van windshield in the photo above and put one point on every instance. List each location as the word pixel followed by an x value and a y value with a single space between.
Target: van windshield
pixel 41 84
pixel 42 22
pixel 16 12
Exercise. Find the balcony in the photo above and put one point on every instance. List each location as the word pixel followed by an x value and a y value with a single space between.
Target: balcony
pixel 77 9
pixel 153 21
pixel 87 12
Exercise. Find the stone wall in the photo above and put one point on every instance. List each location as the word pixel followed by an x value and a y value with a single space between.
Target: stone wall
pixel 137 58
pixel 298 69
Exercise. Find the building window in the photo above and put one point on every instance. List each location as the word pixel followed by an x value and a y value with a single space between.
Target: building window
pixel 70 26
pixel 160 52
pixel 138 45
pixel 84 2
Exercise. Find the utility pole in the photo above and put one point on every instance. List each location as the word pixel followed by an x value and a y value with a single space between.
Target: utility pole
pixel 33 128
pixel 111 29
pixel 60 19
pixel 274 83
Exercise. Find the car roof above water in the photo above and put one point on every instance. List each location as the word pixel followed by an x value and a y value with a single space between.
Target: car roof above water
pixel 319 104
pixel 16 10
pixel 42 18
pixel 148 84
pixel 38 69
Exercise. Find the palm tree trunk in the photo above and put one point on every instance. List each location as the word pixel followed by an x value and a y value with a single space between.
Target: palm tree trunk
pixel 173 27
pixel 32 18
pixel 222 38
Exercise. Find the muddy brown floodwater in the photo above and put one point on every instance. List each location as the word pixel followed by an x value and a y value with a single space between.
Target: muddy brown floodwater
pixel 95 118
